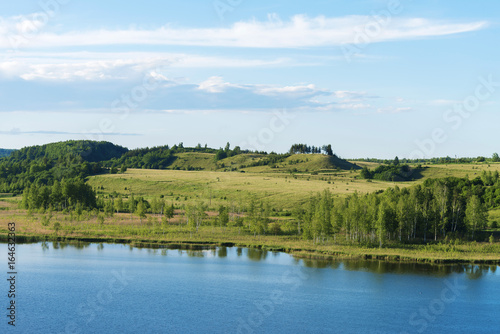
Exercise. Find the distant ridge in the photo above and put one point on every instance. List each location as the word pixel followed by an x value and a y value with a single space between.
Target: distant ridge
pixel 91 151
pixel 179 157
pixel 5 152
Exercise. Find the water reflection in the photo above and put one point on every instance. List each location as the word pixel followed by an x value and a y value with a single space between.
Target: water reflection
pixel 383 267
pixel 222 252
pixel 254 254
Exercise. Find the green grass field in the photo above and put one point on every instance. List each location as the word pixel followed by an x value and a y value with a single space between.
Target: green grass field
pixel 283 190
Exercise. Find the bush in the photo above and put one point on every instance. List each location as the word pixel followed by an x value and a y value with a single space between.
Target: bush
pixel 494 224
pixel 46 220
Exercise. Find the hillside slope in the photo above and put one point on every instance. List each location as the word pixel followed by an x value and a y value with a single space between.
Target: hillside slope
pixel 5 152
pixel 91 151
pixel 42 165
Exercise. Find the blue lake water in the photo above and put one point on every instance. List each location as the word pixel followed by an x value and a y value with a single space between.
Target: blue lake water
pixel 111 288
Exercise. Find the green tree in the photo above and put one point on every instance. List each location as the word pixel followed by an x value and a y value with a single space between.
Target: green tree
pixel 328 149
pixel 384 220
pixel 131 204
pixel 441 195
pixel 118 204
pixel 223 218
pixel 195 215
pixel 109 208
pixel 57 227
pixel 169 211
pixel 476 215
pixel 141 210
pixel 100 219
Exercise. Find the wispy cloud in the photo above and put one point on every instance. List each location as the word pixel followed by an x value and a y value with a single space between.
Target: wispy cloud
pixel 214 93
pixel 17 131
pixel 112 66
pixel 298 32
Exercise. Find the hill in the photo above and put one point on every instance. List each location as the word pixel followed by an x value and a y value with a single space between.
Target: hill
pixel 200 158
pixel 5 152
pixel 41 165
pixel 91 151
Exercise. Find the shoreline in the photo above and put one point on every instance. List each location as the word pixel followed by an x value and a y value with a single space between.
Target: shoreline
pixel 345 252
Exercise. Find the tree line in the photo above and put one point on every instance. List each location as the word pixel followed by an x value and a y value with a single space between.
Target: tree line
pixel 306 149
pixel 439 208
pixel 436 209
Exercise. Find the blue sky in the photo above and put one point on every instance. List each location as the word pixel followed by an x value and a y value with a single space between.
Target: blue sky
pixel 373 78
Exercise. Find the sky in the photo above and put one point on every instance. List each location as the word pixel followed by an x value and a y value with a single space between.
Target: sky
pixel 373 78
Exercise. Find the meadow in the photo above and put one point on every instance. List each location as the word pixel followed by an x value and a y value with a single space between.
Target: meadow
pixel 284 191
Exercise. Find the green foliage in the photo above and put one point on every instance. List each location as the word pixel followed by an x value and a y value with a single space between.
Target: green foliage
pixel 42 165
pixel 476 215
pixel 305 149
pixel 169 211
pixel 141 210
pixel 46 220
pixel 223 218
pixel 394 172
pixel 100 219
pixel 5 152
pixel 439 207
pixel 66 194
pixel 220 154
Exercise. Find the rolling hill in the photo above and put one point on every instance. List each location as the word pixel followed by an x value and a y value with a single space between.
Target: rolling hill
pixel 5 152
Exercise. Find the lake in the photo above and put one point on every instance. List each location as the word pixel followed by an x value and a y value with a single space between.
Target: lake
pixel 114 288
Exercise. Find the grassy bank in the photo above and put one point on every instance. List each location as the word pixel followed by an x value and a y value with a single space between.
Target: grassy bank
pixel 123 228
pixel 283 191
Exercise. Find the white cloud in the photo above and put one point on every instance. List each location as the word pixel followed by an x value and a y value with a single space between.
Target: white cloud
pixel 352 96
pixel 300 90
pixel 73 66
pixel 70 71
pixel 215 85
pixel 300 31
